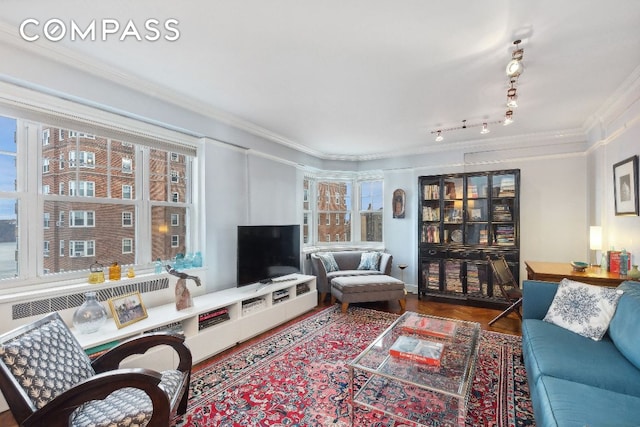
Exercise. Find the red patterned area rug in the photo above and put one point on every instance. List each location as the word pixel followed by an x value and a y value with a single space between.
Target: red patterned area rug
pixel 298 376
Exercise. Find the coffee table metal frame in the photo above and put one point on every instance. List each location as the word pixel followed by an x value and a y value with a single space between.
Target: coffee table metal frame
pixel 388 377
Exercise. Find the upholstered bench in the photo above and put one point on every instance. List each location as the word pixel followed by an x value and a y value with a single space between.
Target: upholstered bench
pixel 377 287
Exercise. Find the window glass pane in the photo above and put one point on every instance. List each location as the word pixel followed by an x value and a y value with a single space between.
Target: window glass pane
pixel 167 239
pixel 8 238
pixel 7 154
pixel 371 227
pixel 85 232
pixel 334 203
pixel 7 134
pixel 167 176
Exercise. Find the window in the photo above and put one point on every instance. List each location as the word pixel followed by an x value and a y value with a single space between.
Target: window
pixel 174 157
pixel 334 200
pixel 174 176
pixel 82 188
pixel 127 219
pixel 84 159
pixel 127 192
pixel 127 165
pixel 127 246
pixel 175 197
pixel 99 219
pixel 370 211
pixel 346 208
pixel 82 248
pixel 81 218
pixel 175 220
pixel 45 165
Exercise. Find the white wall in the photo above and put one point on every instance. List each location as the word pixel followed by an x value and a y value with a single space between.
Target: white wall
pixel 615 140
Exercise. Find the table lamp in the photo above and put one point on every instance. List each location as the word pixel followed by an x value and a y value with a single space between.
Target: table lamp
pixel 595 240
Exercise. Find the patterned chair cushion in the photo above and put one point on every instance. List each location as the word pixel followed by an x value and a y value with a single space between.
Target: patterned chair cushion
pixel 46 361
pixel 127 407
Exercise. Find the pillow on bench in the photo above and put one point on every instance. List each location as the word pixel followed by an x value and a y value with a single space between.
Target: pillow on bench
pixel 370 261
pixel 328 261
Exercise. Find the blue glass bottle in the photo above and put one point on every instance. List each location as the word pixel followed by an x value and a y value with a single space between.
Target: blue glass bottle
pixel 197 260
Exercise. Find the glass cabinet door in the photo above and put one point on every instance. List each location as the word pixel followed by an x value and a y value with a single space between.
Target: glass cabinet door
pixel 503 198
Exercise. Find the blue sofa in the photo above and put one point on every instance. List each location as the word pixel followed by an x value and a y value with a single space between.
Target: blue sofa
pixel 576 381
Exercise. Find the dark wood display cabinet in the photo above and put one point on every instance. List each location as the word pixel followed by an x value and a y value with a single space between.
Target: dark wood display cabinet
pixel 462 219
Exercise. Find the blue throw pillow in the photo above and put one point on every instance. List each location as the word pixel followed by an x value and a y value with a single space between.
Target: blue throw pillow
pixel 369 261
pixel 328 261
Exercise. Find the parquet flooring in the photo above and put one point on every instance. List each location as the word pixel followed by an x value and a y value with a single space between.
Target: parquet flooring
pixel 507 325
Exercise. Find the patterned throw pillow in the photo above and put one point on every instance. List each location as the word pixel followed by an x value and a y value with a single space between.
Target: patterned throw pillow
pixel 328 261
pixel 369 261
pixel 583 309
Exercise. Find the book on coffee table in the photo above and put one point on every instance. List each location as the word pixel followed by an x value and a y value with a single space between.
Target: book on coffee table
pixel 430 326
pixel 417 350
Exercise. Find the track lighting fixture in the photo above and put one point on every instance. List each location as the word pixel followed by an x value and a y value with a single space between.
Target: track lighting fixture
pixel 514 70
pixel 508 118
pixel 515 67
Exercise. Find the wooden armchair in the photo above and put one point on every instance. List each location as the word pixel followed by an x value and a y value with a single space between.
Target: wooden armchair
pixel 48 380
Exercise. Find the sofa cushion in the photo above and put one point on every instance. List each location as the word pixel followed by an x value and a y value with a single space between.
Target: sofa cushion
pixel 582 308
pixel 328 261
pixel 558 402
pixel 369 261
pixel 347 273
pixel 624 329
pixel 551 350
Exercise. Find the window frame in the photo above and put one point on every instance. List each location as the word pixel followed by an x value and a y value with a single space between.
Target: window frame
pixel 39 111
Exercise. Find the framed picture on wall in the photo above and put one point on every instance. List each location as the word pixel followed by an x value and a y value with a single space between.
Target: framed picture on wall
pixel 625 186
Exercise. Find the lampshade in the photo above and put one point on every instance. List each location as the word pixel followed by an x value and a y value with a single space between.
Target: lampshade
pixel 595 238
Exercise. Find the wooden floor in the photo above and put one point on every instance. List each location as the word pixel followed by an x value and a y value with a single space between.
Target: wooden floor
pixel 507 325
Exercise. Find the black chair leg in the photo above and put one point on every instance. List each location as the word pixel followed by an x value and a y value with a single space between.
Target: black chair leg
pixel 515 307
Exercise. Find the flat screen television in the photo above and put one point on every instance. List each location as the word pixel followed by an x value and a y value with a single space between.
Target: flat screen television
pixel 267 251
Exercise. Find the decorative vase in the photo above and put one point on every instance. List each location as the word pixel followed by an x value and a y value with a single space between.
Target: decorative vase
pixel 634 273
pixel 90 316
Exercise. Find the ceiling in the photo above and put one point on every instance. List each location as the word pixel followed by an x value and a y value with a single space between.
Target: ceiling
pixel 363 78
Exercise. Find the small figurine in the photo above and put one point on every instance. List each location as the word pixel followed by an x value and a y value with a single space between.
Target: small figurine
pixel 183 296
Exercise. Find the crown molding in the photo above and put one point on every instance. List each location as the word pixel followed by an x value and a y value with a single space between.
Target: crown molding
pixel 615 105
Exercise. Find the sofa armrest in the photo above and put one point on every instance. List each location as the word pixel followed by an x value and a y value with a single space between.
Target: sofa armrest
pixel 321 274
pixel 536 298
pixel 385 263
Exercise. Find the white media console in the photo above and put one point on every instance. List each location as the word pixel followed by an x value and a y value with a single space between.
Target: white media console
pixel 250 310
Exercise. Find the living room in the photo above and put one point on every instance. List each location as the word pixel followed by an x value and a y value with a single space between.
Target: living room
pixel 247 171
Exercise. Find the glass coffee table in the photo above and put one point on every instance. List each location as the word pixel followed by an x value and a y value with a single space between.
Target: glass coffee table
pixel 428 382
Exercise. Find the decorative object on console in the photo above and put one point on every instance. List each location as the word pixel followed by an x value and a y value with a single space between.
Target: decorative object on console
pixel 579 265
pixel 625 186
pixel 96 273
pixel 90 316
pixel 183 296
pixel 127 309
pixel 583 309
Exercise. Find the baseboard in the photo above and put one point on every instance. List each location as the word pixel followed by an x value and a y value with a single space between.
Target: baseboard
pixel 412 289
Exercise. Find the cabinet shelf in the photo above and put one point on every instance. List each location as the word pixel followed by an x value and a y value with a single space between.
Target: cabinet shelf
pixel 465 218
